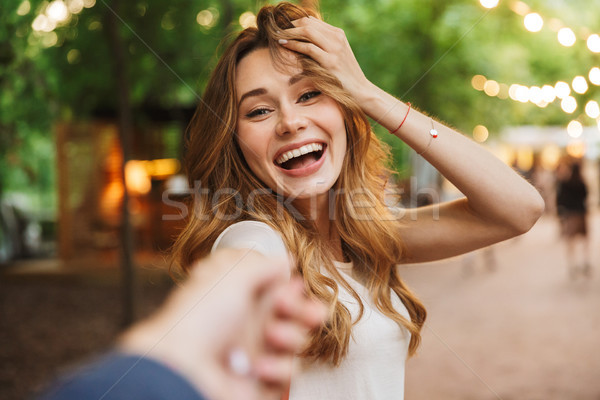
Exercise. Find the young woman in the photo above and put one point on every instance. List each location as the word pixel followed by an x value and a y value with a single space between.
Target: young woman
pixel 286 162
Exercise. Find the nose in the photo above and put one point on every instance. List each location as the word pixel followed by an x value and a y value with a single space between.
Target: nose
pixel 291 120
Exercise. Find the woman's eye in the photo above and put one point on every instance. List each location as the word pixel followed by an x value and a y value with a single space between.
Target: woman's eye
pixel 257 112
pixel 309 95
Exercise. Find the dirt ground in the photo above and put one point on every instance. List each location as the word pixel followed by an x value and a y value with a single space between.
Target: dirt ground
pixel 520 330
pixel 506 323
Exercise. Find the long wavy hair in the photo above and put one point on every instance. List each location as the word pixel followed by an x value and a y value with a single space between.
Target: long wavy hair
pixel 369 235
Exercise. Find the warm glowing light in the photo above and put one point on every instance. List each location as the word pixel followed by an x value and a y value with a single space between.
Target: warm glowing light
pixel 592 109
pixel 574 129
pixel 580 84
pixel 535 95
pixel 207 18
pixel 593 43
pixel 247 20
pixel 75 6
pixel 480 133
pixel 512 91
pixel 568 104
pixel 49 39
pixel 136 177
pixel 95 26
pixel 562 89
pixel 576 149
pixel 42 23
pixel 549 157
pixel 491 88
pixel 548 93
pixel 478 81
pixel 24 8
pixel 489 3
pixel 57 10
pixel 503 91
pixel 524 159
pixel 73 56
pixel 110 199
pixel 89 3
pixel 595 76
pixel 162 168
pixel 519 7
pixel 566 37
pixel 522 94
pixel 533 22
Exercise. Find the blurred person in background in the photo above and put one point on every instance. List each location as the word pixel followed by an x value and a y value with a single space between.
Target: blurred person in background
pixel 571 207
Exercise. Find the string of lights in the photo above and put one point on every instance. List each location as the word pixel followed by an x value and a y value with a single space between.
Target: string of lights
pixel 544 95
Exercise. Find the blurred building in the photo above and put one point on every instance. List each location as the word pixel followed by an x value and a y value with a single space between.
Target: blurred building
pixel 91 187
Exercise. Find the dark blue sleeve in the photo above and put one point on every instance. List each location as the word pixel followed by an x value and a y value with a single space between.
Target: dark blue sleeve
pixel 119 376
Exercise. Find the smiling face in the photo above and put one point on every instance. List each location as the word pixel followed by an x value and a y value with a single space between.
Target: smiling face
pixel 291 135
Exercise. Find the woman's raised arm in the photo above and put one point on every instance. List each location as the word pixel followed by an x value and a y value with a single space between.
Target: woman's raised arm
pixel 499 204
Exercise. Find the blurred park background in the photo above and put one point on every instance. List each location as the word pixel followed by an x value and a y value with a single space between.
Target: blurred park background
pixel 95 97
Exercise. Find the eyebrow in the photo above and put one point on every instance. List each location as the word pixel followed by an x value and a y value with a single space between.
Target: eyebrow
pixel 260 91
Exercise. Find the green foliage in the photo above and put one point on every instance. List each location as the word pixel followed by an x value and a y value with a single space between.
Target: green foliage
pixel 423 51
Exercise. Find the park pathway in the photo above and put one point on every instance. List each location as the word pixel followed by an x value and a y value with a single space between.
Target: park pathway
pixel 519 330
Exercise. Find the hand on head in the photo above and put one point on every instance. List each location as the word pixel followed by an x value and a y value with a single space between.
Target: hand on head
pixel 328 45
pixel 235 303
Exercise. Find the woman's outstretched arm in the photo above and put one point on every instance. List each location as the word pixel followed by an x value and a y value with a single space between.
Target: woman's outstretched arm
pixel 499 204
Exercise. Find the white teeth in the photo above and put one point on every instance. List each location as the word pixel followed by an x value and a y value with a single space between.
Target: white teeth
pixel 307 148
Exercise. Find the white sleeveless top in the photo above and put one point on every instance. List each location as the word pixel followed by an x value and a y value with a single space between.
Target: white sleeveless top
pixel 373 368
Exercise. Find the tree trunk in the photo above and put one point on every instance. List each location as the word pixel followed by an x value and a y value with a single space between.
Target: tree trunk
pixel 125 121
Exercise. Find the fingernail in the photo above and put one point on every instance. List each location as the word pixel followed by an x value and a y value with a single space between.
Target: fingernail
pixel 282 41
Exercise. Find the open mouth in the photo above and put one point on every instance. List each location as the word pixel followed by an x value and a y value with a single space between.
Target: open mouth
pixel 301 157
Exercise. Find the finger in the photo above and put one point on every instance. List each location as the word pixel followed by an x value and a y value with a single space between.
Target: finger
pixel 286 336
pixel 274 370
pixel 293 304
pixel 308 34
pixel 307 48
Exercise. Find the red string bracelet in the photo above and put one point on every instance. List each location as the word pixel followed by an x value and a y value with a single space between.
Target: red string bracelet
pixel 402 123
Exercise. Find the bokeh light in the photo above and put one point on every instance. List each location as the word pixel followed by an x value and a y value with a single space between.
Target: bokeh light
pixel 24 8
pixel 75 6
pixel 592 109
pixel 478 81
pixel 576 149
pixel 593 43
pixel 489 3
pixel 73 56
pixel 207 18
pixel 57 11
pixel 42 23
pixel 535 95
pixel 594 76
pixel 568 104
pixel 566 37
pixel 562 89
pixel 550 156
pixel 491 88
pixel 580 85
pixel 574 129
pixel 247 20
pixel 548 93
pixel 533 22
pixel 480 133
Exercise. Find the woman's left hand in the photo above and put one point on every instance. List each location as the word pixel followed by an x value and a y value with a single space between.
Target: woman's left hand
pixel 329 46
